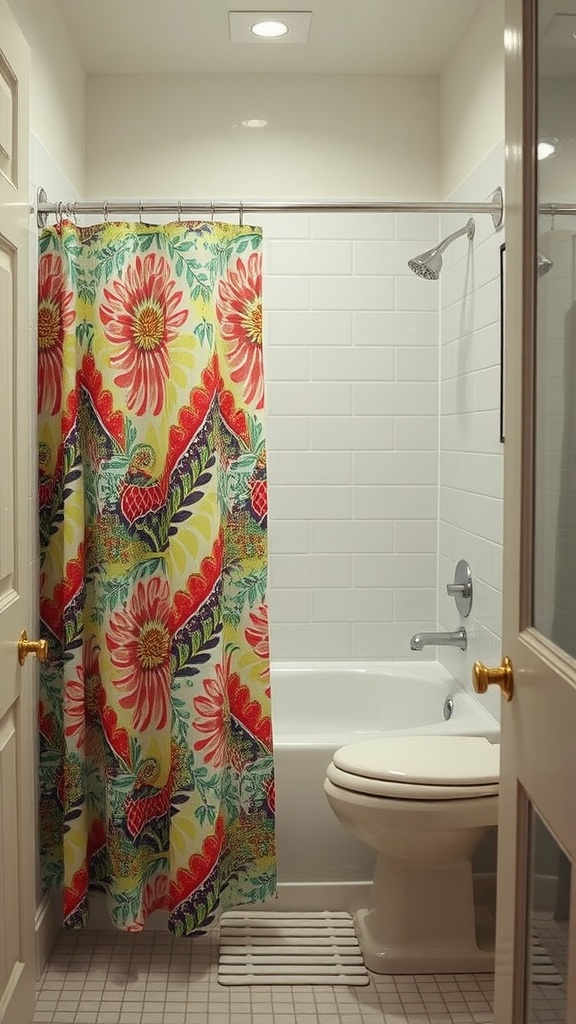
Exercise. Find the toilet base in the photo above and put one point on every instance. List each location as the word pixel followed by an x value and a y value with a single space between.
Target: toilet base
pixel 421 917
pixel 445 957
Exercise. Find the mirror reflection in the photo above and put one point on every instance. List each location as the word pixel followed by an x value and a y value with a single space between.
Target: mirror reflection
pixel 548 927
pixel 554 598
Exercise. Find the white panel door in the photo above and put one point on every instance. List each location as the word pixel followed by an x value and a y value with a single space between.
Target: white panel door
pixel 17 542
pixel 538 773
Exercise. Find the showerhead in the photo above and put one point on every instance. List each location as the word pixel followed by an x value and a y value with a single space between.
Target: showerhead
pixel 429 264
pixel 543 264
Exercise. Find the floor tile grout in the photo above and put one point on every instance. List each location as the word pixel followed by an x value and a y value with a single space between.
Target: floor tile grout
pixel 154 978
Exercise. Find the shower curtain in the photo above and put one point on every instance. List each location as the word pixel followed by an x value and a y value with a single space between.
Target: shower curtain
pixel 156 772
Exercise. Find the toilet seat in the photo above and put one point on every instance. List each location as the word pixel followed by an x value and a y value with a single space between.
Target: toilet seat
pixel 418 767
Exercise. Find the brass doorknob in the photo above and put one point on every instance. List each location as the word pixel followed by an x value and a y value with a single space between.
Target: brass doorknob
pixel 503 677
pixel 26 647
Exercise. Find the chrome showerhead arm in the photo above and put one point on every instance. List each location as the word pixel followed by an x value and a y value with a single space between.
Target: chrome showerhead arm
pixel 429 264
pixel 468 229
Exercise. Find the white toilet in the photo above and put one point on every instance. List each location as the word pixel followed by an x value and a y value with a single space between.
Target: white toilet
pixel 424 803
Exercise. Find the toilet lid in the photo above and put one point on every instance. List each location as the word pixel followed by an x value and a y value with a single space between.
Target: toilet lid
pixel 425 760
pixel 403 792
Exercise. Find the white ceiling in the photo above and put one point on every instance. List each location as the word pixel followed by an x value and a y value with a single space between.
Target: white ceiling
pixel 346 36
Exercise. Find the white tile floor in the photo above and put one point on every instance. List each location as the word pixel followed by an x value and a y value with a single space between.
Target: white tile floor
pixel 151 978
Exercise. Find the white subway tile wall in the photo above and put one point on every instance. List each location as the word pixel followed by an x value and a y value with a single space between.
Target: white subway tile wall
pixel 385 464
pixel 351 366
pixel 471 455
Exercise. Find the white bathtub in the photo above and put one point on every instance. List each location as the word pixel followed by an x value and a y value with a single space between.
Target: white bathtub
pixel 316 708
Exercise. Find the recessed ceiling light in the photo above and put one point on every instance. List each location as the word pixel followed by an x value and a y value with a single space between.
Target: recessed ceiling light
pixel 269 29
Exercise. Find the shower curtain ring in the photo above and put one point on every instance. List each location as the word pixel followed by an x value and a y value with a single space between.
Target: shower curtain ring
pixel 179 212
pixel 72 209
pixel 212 211
pixel 241 215
pixel 60 214
pixel 105 211
pixel 140 210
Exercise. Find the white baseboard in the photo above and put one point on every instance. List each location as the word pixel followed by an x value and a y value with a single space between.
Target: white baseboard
pixel 47 925
pixel 347 896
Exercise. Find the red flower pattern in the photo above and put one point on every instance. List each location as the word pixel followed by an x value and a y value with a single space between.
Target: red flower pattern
pixel 140 636
pixel 214 721
pixel 54 320
pixel 257 634
pixel 239 311
pixel 75 708
pixel 258 637
pixel 225 698
pixel 142 317
pixel 139 644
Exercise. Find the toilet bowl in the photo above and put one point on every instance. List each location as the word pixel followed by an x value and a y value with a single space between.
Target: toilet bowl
pixel 423 803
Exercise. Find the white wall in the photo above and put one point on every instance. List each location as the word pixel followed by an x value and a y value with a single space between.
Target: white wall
pixel 472 97
pixel 471 455
pixel 57 98
pixel 349 136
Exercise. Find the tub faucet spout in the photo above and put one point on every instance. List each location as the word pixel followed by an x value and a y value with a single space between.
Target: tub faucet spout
pixel 457 638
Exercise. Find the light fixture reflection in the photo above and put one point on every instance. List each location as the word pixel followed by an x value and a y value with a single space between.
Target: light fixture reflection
pixel 254 122
pixel 545 149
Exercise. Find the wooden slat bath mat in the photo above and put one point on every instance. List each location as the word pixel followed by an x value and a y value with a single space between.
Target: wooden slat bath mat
pixel 268 948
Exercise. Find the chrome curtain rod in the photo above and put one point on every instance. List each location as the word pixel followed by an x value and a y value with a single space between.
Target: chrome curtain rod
pixel 69 209
pixel 551 209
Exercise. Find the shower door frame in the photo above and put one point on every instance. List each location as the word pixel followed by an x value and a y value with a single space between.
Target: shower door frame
pixel 538 725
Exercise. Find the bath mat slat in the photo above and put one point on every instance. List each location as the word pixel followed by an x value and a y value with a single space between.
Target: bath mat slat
pixel 287 940
pixel 259 948
pixel 286 958
pixel 288 915
pixel 543 970
pixel 292 949
pixel 295 932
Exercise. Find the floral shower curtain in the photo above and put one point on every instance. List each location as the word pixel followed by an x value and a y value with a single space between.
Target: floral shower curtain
pixel 156 771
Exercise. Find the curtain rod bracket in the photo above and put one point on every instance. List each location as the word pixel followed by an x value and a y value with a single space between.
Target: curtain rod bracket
pixel 41 218
pixel 498 215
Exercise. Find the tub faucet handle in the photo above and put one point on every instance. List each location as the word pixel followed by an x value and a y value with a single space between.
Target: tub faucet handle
pixel 457 588
pixel 461 589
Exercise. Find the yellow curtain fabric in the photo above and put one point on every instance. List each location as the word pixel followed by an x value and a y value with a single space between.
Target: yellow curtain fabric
pixel 156 769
